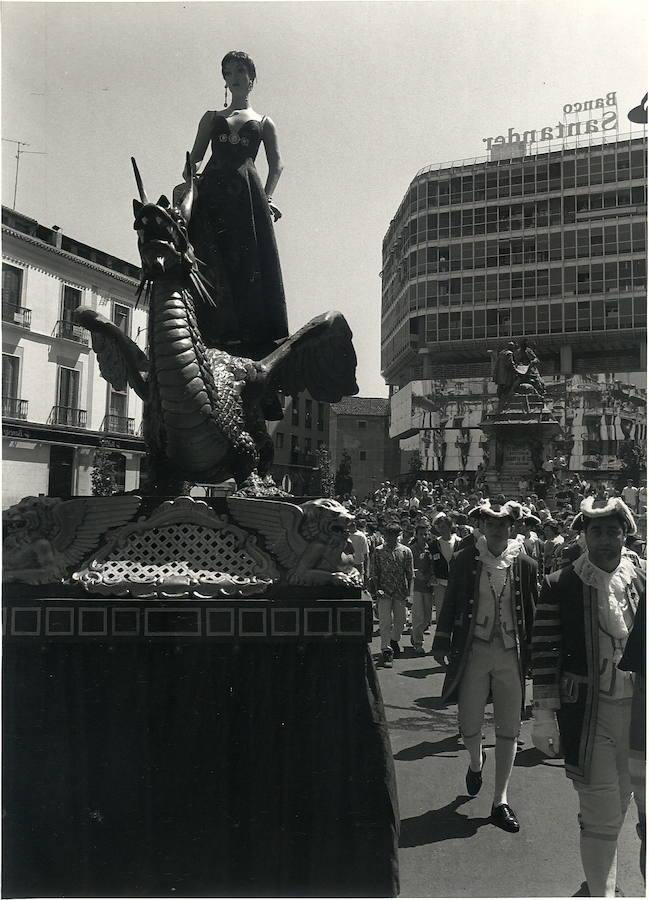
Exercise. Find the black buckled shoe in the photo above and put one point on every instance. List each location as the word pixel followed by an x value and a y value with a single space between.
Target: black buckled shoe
pixel 473 779
pixel 504 817
pixel 396 649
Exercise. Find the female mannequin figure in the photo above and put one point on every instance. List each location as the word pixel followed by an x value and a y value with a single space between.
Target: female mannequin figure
pixel 231 227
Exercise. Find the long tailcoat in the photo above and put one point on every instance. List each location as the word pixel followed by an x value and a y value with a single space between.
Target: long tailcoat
pixel 456 625
pixel 565 658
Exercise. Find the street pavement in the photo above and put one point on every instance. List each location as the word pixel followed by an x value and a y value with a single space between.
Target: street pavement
pixel 448 847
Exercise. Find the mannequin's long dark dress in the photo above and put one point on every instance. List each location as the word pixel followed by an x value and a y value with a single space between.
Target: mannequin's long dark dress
pixel 231 230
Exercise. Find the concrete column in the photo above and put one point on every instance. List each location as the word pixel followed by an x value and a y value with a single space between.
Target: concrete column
pixel 565 359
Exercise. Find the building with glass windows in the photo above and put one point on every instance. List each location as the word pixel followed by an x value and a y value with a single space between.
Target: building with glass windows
pixel 550 246
pixel 57 410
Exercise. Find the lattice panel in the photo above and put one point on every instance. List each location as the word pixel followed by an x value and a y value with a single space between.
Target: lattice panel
pixel 180 549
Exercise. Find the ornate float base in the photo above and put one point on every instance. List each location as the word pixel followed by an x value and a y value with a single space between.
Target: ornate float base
pixel 170 732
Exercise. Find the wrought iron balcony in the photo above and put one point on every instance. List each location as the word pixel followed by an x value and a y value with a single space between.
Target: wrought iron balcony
pixel 68 415
pixel 18 315
pixel 118 424
pixel 71 332
pixel 13 408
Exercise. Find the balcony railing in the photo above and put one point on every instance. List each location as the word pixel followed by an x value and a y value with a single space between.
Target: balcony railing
pixel 303 458
pixel 13 408
pixel 71 332
pixel 18 315
pixel 118 424
pixel 68 415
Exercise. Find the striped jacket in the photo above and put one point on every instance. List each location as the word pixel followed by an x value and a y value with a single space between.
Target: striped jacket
pixel 565 661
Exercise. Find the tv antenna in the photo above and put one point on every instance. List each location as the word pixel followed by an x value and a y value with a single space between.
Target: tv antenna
pixel 19 153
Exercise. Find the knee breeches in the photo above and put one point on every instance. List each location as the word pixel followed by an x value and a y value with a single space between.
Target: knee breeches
pixel 604 800
pixel 491 667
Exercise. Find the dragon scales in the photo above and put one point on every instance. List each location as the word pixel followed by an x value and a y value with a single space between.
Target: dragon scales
pixel 205 409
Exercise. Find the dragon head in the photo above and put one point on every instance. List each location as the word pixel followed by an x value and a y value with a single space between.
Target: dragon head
pixel 163 241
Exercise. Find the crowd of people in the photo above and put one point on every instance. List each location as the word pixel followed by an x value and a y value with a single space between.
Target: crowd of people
pixel 509 590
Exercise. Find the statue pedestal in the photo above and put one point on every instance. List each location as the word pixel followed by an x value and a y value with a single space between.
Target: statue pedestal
pixel 520 435
pixel 187 746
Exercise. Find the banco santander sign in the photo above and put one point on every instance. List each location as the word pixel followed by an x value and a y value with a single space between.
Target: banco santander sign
pixel 604 121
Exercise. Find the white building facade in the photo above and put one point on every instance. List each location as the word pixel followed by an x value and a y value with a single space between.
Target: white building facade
pixel 57 410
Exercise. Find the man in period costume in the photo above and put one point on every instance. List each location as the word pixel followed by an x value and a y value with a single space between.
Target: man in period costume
pixel 582 700
pixel 485 631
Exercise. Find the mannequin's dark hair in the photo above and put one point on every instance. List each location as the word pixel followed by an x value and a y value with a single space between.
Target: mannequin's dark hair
pixel 240 56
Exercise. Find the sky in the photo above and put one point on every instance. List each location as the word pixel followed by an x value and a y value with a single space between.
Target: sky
pixel 363 95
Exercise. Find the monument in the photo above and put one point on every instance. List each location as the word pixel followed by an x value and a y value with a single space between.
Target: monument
pixel 520 427
pixel 190 707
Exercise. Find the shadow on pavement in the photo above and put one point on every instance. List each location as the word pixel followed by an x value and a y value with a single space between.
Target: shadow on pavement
pixel 430 748
pixel 437 825
pixel 421 673
pixel 529 758
pixel 430 703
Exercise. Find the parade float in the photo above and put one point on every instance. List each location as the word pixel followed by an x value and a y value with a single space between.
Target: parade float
pixel 190 707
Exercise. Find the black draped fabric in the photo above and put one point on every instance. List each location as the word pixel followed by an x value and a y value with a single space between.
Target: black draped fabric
pixel 231 230
pixel 157 769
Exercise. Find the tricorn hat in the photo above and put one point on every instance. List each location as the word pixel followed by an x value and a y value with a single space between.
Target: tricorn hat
pixel 476 512
pixel 511 509
pixel 529 517
pixel 590 508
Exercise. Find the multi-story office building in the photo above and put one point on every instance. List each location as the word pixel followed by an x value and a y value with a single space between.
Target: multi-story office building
pixel 549 246
pixel 56 408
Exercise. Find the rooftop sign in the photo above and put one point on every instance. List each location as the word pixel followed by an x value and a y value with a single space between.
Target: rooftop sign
pixel 607 122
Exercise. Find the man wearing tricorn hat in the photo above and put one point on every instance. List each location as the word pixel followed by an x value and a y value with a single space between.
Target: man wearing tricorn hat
pixel 582 701
pixel 485 629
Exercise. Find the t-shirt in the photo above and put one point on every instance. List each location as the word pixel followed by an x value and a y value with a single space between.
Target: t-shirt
pixel 361 548
pixel 630 496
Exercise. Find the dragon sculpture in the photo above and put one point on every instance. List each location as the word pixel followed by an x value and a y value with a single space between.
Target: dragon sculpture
pixel 205 410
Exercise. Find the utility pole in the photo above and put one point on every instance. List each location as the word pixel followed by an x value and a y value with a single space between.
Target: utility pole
pixel 19 153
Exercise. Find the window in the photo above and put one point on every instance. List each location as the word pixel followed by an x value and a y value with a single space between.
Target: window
pixel 321 417
pixel 67 401
pixel 117 412
pixel 121 316
pixel 12 406
pixel 71 300
pixel 362 424
pixel 362 455
pixel 12 285
pixel 295 411
pixel 68 393
pixel 279 440
pixel 308 413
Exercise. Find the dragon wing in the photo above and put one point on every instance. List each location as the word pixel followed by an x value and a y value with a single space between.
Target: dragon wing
pixel 121 361
pixel 277 522
pixel 319 358
pixel 82 522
